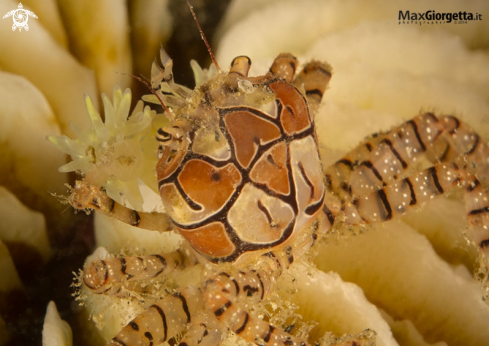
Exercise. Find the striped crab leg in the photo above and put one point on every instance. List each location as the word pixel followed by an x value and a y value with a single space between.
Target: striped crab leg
pixel 204 331
pixel 222 303
pixel 163 320
pixel 88 197
pixel 388 157
pixel 107 276
pixel 399 197
pixel 313 79
pixel 373 188
pixel 230 296
pixel 384 158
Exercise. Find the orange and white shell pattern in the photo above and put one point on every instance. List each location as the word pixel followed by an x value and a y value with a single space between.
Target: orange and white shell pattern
pixel 240 170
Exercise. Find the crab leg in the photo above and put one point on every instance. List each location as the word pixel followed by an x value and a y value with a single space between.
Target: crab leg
pixel 374 192
pixel 85 196
pixel 399 197
pixel 108 275
pixel 205 331
pixel 228 295
pixel 163 320
pixel 384 158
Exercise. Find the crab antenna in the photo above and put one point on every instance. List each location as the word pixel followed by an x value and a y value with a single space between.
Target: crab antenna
pixel 203 37
pixel 165 108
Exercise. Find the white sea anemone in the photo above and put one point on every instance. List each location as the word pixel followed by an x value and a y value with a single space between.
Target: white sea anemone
pixel 113 153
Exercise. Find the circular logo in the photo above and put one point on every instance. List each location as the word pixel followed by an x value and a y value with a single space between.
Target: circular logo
pixel 20 18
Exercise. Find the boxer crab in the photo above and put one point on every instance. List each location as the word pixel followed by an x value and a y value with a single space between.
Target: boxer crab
pixel 241 180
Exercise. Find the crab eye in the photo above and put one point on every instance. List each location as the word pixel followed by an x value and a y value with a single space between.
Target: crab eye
pixel 241 65
pixel 284 66
pixel 163 136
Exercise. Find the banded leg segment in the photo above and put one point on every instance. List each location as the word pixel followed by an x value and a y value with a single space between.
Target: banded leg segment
pixel 108 276
pixel 370 179
pixel 230 296
pixel 472 155
pixel 314 79
pixel 260 332
pixel 205 331
pixel 161 321
pixel 222 303
pixel 247 325
pixel 399 197
pixel 385 158
pixel 477 206
pixel 466 144
pixel 85 196
pixel 388 157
